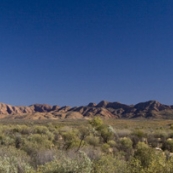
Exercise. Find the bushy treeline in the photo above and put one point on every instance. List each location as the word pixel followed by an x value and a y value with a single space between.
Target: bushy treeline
pixel 92 147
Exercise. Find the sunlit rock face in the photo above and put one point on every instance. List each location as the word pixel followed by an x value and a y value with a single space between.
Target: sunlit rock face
pixel 105 109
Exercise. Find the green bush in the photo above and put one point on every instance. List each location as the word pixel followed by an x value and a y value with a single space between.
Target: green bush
pixel 126 146
pixel 80 163
pixel 14 165
pixel 14 161
pixel 40 129
pixel 70 140
pixel 92 140
pixel 144 154
pixel 168 145
pixel 96 122
pixel 109 164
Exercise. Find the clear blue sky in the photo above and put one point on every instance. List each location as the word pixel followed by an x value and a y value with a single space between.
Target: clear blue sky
pixel 72 52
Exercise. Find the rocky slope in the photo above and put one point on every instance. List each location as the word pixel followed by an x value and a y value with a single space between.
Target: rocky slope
pixel 149 109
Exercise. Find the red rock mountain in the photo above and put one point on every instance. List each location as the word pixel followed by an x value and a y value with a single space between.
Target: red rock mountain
pixel 149 109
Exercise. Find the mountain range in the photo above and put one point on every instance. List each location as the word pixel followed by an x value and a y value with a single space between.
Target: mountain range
pixel 148 109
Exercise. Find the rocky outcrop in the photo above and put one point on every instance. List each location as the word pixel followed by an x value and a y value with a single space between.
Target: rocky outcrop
pixel 151 105
pixel 41 108
pixel 74 115
pixel 6 109
pixel 149 109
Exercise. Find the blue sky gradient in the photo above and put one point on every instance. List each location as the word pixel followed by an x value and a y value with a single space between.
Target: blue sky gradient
pixel 74 52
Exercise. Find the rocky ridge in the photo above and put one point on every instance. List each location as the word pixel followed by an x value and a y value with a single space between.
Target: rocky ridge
pixel 149 109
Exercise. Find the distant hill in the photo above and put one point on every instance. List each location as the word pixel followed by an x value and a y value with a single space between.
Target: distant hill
pixel 149 109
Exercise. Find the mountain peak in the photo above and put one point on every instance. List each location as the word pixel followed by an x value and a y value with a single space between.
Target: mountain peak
pixel 103 103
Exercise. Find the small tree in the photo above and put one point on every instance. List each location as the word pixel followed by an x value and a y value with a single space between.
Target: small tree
pixel 84 132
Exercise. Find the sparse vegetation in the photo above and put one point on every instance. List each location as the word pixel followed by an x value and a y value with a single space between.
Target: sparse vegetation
pixel 86 146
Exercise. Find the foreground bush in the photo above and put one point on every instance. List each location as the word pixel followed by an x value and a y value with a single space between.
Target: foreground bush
pixel 14 165
pixel 64 164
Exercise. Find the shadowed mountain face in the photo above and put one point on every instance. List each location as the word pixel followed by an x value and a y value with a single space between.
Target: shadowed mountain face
pixel 149 109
